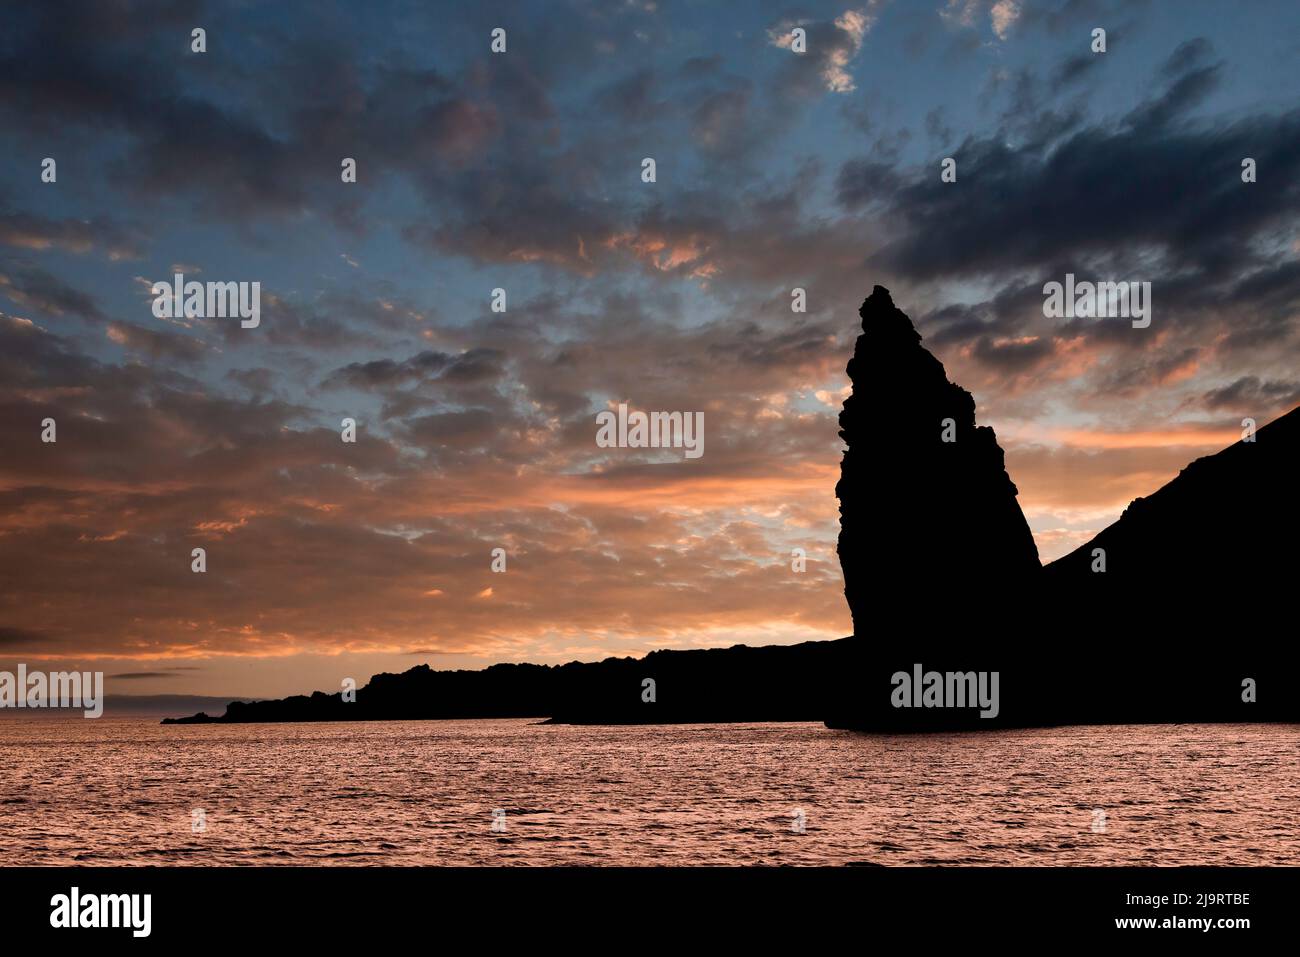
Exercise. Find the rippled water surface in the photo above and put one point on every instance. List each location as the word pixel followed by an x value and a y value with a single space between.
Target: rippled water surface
pixel 122 791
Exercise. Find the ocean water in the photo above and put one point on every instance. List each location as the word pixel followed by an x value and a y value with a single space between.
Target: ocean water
pixel 124 791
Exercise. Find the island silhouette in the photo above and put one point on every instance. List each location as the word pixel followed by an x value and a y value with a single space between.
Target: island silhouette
pixel 1174 613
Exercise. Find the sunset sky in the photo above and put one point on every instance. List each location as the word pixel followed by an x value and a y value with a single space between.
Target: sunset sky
pixel 522 171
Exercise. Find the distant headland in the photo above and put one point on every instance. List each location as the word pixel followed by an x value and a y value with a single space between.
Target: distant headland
pixel 773 683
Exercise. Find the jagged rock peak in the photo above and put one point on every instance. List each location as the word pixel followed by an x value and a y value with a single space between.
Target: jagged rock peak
pixel 926 505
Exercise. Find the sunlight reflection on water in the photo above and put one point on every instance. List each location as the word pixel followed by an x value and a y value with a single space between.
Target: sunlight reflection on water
pixel 122 791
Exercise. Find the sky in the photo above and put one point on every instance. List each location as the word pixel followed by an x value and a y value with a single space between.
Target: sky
pixel 522 171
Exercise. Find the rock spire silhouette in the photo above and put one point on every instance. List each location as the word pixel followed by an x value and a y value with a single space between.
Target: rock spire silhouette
pixel 926 504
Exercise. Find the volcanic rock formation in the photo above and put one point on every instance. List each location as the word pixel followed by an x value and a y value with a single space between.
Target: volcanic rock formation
pixel 926 505
pixel 1227 523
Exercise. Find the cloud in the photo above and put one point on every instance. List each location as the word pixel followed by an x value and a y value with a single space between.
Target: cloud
pixel 854 24
pixel 1072 70
pixel 1013 355
pixel 1253 397
pixel 19 639
pixel 1003 15
pixel 27 231
pixel 155 344
pixel 960 12
pixel 1098 197
pixel 48 295
pixel 831 47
